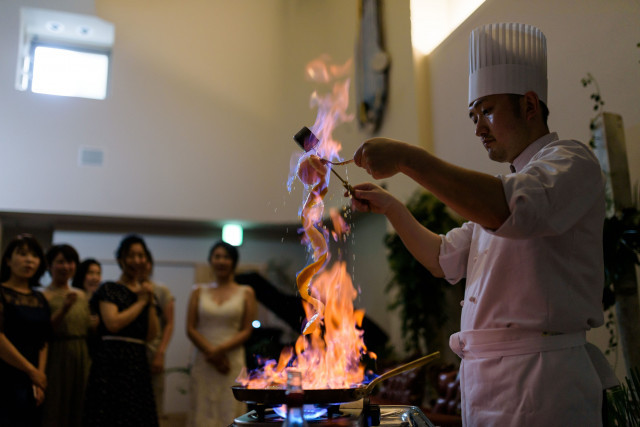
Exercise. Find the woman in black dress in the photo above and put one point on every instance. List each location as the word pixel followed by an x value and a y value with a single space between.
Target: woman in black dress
pixel 25 327
pixel 119 392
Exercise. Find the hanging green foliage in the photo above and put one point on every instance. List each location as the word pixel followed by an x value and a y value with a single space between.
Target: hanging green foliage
pixel 623 402
pixel 419 295
pixel 598 103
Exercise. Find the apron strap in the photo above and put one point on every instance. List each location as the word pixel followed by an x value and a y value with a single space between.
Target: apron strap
pixel 487 343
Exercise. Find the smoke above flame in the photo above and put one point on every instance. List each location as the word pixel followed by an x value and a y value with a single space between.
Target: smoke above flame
pixel 329 351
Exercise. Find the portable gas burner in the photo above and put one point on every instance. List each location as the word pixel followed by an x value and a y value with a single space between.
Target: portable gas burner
pixel 356 410
pixel 353 414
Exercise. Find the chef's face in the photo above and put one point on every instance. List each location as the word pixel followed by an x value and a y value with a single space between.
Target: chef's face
pixel 221 262
pixel 501 125
pixel 62 269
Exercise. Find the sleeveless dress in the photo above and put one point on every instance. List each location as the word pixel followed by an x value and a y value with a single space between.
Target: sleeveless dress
pixel 212 401
pixel 119 390
pixel 67 365
pixel 25 319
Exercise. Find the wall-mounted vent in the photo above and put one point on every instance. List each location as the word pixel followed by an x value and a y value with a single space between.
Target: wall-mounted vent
pixel 90 156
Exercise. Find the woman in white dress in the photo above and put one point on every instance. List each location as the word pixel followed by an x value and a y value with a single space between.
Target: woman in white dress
pixel 219 320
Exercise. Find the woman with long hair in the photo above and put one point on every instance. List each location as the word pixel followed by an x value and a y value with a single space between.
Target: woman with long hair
pixel 218 323
pixel 25 326
pixel 119 390
pixel 88 276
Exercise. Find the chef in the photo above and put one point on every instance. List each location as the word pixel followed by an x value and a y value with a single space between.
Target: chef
pixel 531 252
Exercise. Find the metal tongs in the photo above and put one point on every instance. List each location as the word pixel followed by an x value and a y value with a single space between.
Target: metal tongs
pixel 308 141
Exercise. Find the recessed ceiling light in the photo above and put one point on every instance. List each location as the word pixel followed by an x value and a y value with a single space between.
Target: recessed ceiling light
pixel 54 26
pixel 84 30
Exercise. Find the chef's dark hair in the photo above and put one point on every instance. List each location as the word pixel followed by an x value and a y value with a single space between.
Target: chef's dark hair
pixel 231 250
pixel 127 242
pixel 67 251
pixel 515 100
pixel 19 242
pixel 545 112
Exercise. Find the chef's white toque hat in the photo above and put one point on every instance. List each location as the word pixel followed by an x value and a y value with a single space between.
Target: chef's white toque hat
pixel 507 58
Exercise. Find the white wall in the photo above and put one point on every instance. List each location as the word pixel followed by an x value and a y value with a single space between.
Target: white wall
pixel 205 98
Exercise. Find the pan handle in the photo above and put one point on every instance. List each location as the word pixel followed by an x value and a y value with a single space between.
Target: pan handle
pixel 400 369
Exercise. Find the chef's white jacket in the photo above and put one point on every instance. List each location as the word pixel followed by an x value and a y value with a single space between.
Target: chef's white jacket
pixel 533 287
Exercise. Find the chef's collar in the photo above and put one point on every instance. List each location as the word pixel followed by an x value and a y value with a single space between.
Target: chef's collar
pixel 526 155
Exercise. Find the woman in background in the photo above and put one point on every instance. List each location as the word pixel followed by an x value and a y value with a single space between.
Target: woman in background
pixel 119 390
pixel 25 326
pixel 218 323
pixel 68 361
pixel 88 276
pixel 157 347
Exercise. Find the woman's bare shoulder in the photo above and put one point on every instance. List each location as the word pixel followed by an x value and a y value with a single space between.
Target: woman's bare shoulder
pixel 248 290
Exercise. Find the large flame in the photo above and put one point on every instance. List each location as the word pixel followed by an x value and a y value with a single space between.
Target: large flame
pixel 330 348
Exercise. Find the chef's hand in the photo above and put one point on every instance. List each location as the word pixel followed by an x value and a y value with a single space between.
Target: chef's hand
pixel 370 197
pixel 380 157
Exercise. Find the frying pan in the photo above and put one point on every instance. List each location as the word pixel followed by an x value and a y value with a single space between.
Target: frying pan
pixel 274 397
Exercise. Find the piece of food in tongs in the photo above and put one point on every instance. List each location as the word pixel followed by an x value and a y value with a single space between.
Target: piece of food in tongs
pixel 308 141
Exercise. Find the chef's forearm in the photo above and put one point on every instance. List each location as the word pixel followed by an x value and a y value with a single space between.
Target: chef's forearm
pixel 475 196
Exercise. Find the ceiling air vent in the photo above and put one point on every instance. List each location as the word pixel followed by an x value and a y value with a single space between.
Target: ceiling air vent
pixel 89 156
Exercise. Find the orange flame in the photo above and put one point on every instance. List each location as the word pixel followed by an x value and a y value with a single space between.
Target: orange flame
pixel 330 356
pixel 329 351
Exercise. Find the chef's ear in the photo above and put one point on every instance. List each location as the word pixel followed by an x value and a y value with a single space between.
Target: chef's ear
pixel 532 105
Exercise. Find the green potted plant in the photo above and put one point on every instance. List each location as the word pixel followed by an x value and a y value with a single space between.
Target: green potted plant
pixel 621 246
